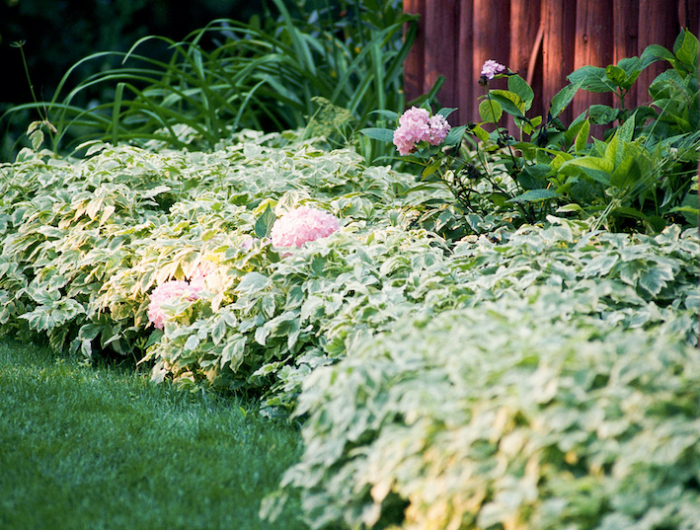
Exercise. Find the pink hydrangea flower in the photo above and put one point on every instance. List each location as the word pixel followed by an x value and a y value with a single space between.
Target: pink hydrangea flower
pixel 204 269
pixel 168 293
pixel 296 227
pixel 415 126
pixel 438 129
pixel 491 69
pixel 248 243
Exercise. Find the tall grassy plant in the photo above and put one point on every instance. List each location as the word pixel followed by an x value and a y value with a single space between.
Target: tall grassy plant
pixel 231 75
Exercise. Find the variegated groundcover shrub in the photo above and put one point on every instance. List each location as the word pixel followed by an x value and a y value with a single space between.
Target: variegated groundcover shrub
pixel 504 416
pixel 502 379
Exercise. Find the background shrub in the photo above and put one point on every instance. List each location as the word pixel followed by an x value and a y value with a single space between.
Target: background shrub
pixel 266 73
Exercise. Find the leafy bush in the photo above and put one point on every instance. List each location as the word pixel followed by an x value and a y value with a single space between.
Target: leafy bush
pixel 640 177
pixel 85 241
pixel 508 414
pixel 521 378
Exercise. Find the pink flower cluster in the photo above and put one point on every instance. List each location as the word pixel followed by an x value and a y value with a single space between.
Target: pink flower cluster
pixel 415 126
pixel 166 294
pixel 204 269
pixel 491 69
pixel 296 227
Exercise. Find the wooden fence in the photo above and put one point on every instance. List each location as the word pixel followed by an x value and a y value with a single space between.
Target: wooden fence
pixel 542 40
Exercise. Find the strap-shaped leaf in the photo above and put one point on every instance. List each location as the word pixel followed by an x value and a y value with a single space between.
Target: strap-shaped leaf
pixel 535 196
pixel 378 133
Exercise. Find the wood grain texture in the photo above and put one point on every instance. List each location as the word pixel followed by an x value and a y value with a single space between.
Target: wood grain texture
pixel 658 24
pixel 456 36
pixel 491 41
pixel 526 48
pixel 413 66
pixel 559 17
pixel 594 46
pixel 466 84
pixel 626 39
pixel 441 26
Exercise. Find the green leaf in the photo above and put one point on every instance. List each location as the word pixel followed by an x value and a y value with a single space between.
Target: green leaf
pixel 590 162
pixel 37 138
pixel 574 128
pixel 592 79
pixel 446 112
pixel 234 351
pixel 430 168
pixel 510 102
pixel 490 111
pixel 391 115
pixel 613 152
pixel 562 98
pixel 582 137
pixel 629 212
pixel 617 76
pixel 627 173
pixel 534 176
pixel 218 330
pixel 264 223
pixel 519 86
pixel 568 208
pixel 253 281
pixel 480 133
pixel 655 279
pixel 626 130
pixel 600 266
pixel 268 305
pixel 631 65
pixel 687 51
pixel 455 135
pixel 656 52
pixel 602 114
pixel 535 196
pixel 191 343
pixel 377 133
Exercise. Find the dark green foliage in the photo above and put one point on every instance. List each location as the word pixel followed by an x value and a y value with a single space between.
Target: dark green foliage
pixel 230 75
pixel 58 34
pixel 640 178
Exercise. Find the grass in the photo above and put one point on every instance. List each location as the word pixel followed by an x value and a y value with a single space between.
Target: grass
pixel 96 447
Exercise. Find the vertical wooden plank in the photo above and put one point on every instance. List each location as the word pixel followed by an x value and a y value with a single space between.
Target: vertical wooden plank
pixel 658 24
pixel 466 85
pixel 413 66
pixel 594 47
pixel 526 48
pixel 440 39
pixel 689 15
pixel 491 39
pixel 559 18
pixel 626 31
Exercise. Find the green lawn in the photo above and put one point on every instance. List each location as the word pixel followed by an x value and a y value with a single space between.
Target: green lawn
pixel 91 448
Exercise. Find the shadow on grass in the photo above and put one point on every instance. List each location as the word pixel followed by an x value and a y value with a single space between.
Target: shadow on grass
pixel 84 447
